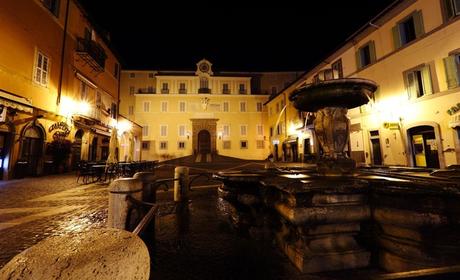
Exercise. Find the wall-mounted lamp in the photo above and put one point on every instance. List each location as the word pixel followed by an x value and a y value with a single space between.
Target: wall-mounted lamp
pixel 219 135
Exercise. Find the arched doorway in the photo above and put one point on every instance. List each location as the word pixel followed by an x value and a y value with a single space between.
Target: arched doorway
pixel 204 142
pixel 31 151
pixel 424 146
pixel 76 148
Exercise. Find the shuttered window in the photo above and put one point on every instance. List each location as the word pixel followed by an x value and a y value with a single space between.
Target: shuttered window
pixel 41 69
pixel 452 68
pixel 418 82
pixel 366 55
pixel 409 29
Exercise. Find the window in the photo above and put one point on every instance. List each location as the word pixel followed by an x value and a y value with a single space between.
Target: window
pixel 116 70
pixel 163 130
pixel 132 75
pixel 146 106
pixel 243 130
pixel 260 144
pixel 242 89
pixel 181 145
pixel 408 29
pixel 164 88
pixel 204 83
pixel 145 131
pixel 418 81
pixel 52 6
pixel 150 89
pixel 131 90
pixel 259 106
pixel 452 68
pixel 226 130
pixel 164 106
pixel 151 75
pixel 274 90
pixel 451 8
pixel 113 111
pixel 181 106
pixel 131 110
pixel 225 89
pixel 337 68
pixel 244 144
pixel 83 90
pixel 41 69
pixel 225 106
pixel 182 130
pixel 163 145
pixel 242 106
pixel 226 144
pixel 260 130
pixel 145 145
pixel 365 55
pixel 182 89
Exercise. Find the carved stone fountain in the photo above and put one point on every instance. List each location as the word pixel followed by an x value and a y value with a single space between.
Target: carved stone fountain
pixel 334 217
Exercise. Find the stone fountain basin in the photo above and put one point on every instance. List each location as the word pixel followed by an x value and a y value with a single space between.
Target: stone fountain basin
pixel 346 93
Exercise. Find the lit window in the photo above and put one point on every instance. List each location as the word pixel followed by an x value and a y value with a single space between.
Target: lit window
pixel 407 30
pixel 41 69
pixel 452 68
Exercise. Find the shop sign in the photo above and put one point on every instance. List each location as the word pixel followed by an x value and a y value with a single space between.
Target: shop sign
pixel 454 109
pixel 62 130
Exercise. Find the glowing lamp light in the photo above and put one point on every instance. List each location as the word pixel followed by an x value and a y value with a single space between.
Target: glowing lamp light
pixel 84 108
pixel 124 126
pixel 67 107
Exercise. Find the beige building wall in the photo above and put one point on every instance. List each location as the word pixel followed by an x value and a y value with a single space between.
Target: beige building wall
pixel 393 112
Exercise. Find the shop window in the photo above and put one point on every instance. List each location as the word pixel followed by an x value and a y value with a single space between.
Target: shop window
pixel 418 82
pixel 408 29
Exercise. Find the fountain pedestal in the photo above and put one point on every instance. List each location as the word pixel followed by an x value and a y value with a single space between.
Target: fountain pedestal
pixel 320 221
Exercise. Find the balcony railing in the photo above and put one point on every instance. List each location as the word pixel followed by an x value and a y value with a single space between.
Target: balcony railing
pixel 146 90
pixel 165 90
pixel 225 91
pixel 182 91
pixel 242 91
pixel 92 53
pixel 204 90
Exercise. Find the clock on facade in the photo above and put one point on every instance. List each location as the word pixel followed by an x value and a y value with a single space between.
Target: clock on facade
pixel 204 67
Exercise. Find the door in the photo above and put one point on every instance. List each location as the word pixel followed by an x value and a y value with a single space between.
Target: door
pixel 31 151
pixel 204 142
pixel 424 147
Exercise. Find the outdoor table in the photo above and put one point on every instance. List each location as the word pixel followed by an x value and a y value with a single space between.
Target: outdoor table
pixel 99 170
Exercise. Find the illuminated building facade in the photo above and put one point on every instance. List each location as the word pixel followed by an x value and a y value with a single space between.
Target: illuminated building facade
pixel 201 112
pixel 412 50
pixel 59 80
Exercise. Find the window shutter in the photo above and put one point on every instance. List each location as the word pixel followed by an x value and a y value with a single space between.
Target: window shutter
pixel 358 59
pixel 450 65
pixel 396 37
pixel 372 51
pixel 418 24
pixel 447 10
pixel 426 76
pixel 411 90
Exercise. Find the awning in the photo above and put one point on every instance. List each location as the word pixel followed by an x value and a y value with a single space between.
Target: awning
pixel 16 102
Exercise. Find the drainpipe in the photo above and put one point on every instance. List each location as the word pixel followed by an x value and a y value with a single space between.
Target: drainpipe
pixel 64 39
pixel 285 116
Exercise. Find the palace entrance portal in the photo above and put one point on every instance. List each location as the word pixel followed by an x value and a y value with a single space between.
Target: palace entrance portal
pixel 204 135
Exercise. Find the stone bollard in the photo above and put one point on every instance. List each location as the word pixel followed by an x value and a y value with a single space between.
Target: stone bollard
pixel 148 191
pixel 103 254
pixel 181 185
pixel 118 203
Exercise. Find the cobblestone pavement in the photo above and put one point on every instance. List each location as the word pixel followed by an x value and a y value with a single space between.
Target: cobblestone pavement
pixel 32 209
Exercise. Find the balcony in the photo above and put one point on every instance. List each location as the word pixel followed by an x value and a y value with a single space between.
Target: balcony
pixel 164 90
pixel 92 53
pixel 225 91
pixel 146 90
pixel 204 90
pixel 182 91
pixel 242 91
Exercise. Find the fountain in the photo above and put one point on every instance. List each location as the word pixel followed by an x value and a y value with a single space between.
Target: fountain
pixel 338 217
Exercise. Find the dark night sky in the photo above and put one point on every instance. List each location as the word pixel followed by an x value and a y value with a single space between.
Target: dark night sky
pixel 233 36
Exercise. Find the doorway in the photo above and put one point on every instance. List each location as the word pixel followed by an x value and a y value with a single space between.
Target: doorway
pixel 31 151
pixel 76 148
pixel 375 147
pixel 93 150
pixel 424 146
pixel 204 142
